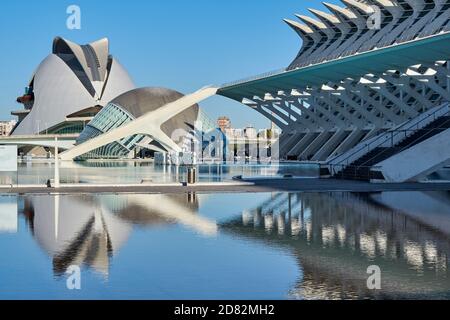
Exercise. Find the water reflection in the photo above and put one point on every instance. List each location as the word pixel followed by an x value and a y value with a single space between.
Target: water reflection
pixel 8 214
pixel 111 172
pixel 335 237
pixel 89 230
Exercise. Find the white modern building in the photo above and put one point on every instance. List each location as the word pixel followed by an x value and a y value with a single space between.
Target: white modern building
pixel 131 105
pixel 368 91
pixel 69 87
pixel 150 117
pixel 367 95
pixel 80 92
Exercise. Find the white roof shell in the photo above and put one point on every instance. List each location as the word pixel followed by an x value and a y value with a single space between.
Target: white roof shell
pixel 59 92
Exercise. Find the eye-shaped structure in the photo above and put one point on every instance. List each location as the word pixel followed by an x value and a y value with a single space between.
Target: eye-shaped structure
pixel 69 87
pixel 128 107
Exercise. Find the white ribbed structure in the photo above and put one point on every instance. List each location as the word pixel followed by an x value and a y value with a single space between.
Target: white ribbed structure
pixel 364 25
pixel 365 68
pixel 324 119
pixel 322 122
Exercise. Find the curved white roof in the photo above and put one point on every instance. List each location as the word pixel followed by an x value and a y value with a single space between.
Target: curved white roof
pixel 71 79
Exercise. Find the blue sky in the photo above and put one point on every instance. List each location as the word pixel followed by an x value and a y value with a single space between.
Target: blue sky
pixel 178 44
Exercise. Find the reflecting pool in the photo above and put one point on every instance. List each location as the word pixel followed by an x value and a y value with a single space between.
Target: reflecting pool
pixel 226 246
pixel 112 172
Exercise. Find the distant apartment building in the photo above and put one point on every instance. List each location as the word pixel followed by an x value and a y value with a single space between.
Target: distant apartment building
pixel 232 133
pixel 252 133
pixel 6 127
pixel 241 144
pixel 224 123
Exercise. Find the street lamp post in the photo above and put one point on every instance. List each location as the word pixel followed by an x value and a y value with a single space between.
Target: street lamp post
pixel 57 184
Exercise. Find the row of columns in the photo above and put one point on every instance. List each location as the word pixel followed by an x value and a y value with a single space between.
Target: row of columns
pixel 320 122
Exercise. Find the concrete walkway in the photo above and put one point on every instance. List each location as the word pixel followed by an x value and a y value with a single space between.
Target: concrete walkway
pixel 257 185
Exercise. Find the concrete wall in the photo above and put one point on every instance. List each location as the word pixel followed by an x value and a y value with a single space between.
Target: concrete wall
pixel 415 163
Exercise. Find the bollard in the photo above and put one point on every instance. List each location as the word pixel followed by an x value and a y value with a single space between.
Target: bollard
pixel 192 175
pixel 192 197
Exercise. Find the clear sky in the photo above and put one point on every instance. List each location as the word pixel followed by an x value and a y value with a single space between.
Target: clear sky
pixel 178 44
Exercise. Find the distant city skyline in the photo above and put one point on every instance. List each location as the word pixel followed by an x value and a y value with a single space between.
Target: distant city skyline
pixel 176 44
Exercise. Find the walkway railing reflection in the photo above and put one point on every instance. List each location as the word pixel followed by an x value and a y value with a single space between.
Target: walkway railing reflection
pixel 336 236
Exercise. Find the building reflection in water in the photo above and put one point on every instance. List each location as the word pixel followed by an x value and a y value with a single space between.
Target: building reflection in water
pixel 88 230
pixel 8 214
pixel 335 237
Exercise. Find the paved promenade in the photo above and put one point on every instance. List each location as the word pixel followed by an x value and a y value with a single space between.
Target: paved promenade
pixel 257 185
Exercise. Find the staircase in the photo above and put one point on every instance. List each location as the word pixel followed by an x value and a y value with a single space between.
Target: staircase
pixel 360 169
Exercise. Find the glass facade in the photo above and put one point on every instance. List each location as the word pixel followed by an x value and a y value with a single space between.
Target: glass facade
pixel 114 116
pixel 204 123
pixel 109 118
pixel 68 128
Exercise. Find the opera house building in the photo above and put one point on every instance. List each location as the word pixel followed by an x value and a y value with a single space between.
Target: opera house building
pixel 80 92
pixel 70 86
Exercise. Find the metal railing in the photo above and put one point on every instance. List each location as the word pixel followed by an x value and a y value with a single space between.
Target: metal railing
pixel 389 138
pixel 254 78
pixel 356 173
pixel 364 49
pixel 427 133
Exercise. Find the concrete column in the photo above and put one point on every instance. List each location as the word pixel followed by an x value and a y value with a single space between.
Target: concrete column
pixel 57 185
pixel 303 143
pixel 330 145
pixel 348 143
pixel 314 146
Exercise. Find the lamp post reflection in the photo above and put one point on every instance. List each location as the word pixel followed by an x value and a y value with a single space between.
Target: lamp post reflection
pixel 88 230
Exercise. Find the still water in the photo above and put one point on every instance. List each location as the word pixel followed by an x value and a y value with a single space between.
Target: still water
pixel 112 172
pixel 226 246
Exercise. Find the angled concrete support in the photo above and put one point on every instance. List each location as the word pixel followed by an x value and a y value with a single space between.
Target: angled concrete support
pixel 320 122
pixel 290 142
pixel 149 124
pixel 315 145
pixel 349 142
pixel 263 107
pixel 303 143
pixel 359 108
pixel 330 145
